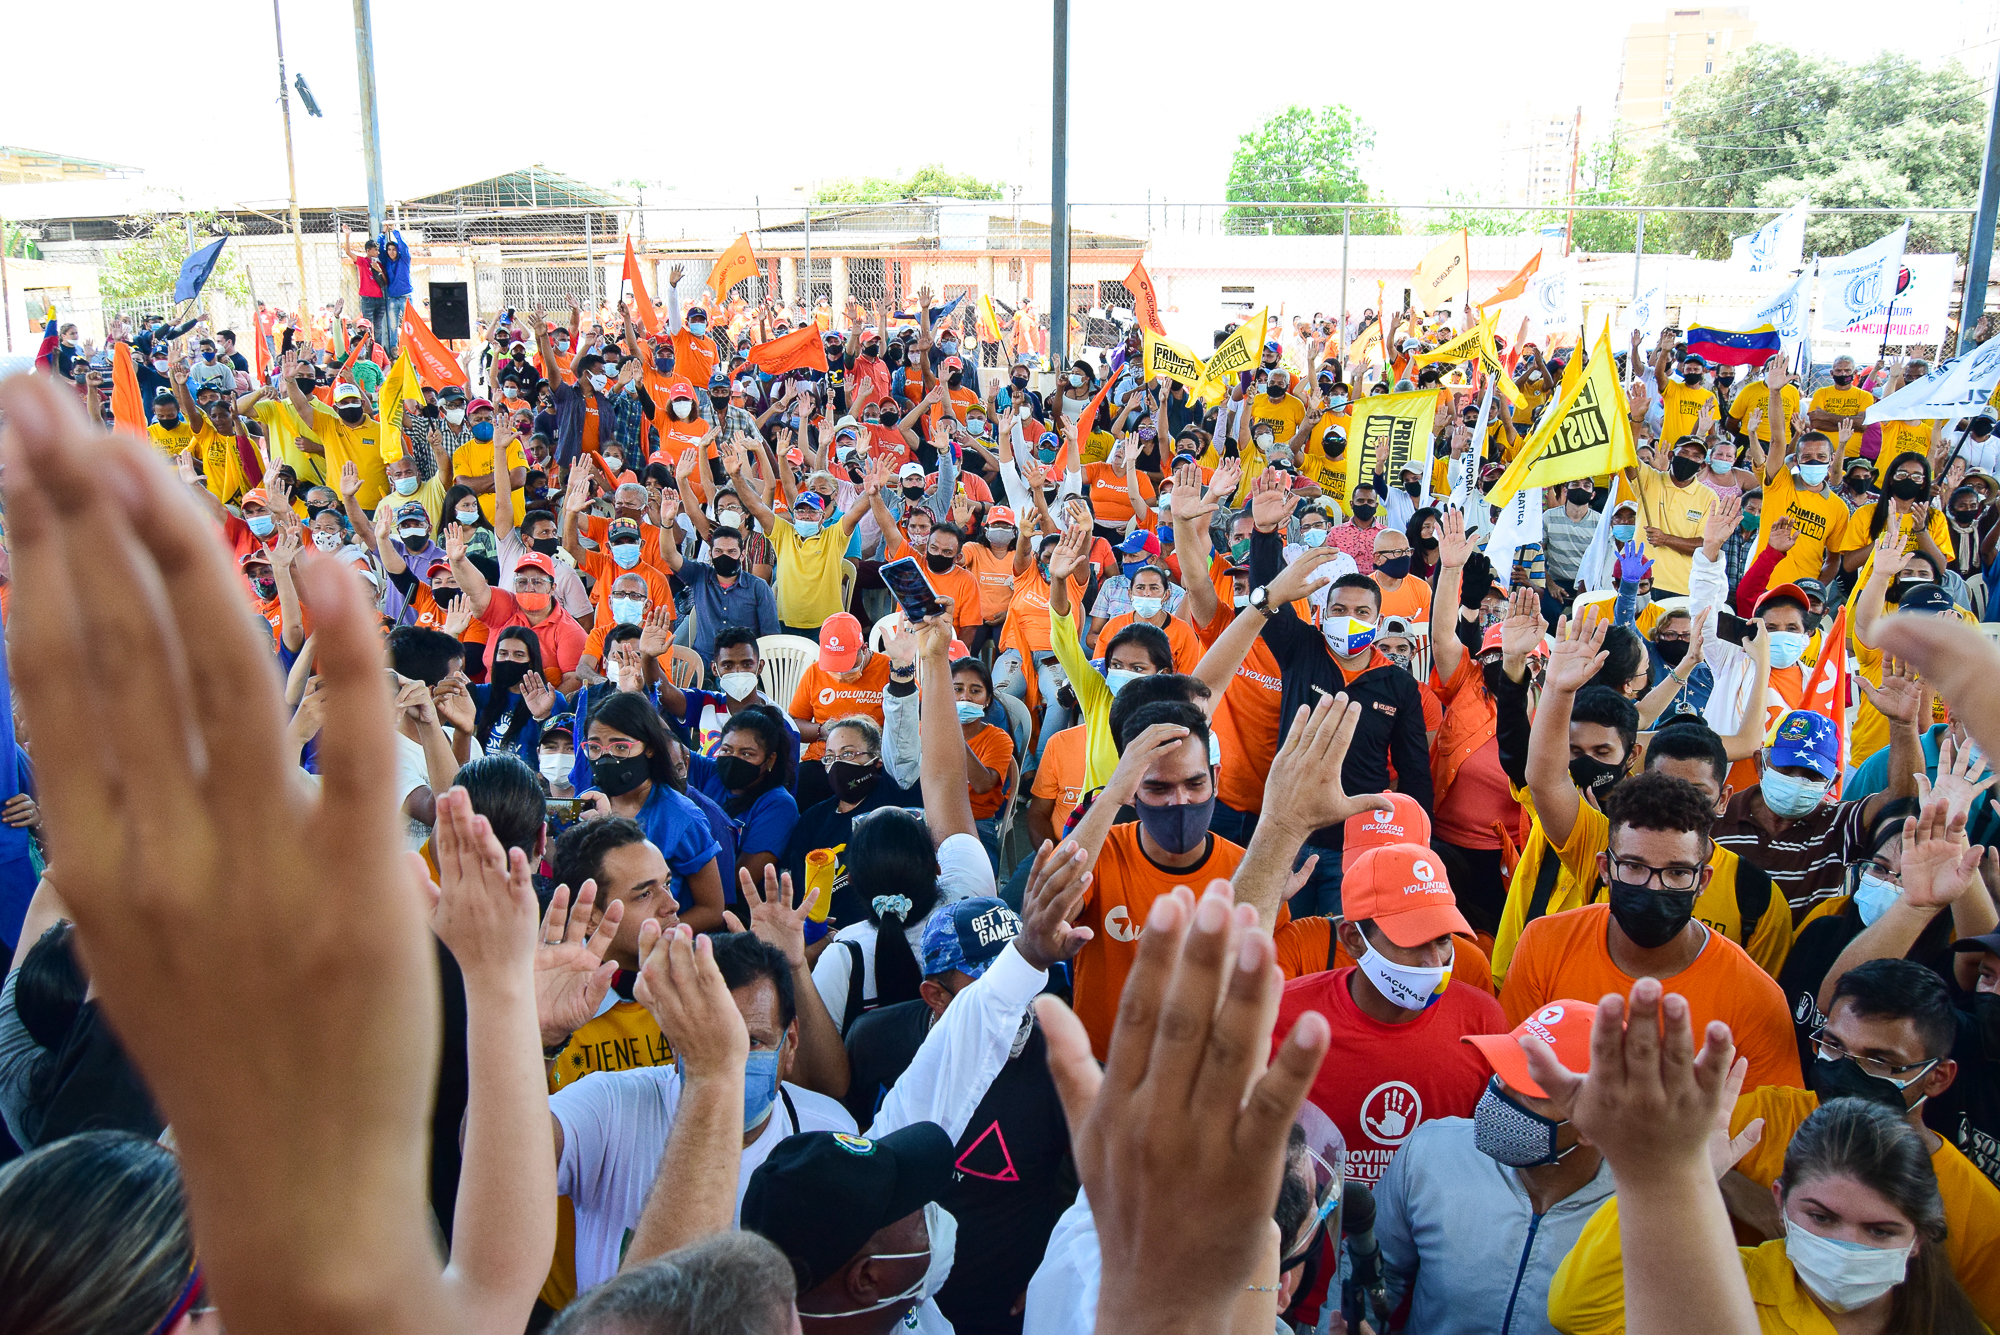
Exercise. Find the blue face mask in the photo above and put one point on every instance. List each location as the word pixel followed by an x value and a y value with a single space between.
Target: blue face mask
pixel 1622 532
pixel 482 431
pixel 968 712
pixel 261 525
pixel 1874 894
pixel 1118 678
pixel 1132 568
pixel 699 328
pixel 807 528
pixel 1790 797
pixel 625 554
pixel 1813 475
pixel 628 611
pixel 406 485
pixel 760 1087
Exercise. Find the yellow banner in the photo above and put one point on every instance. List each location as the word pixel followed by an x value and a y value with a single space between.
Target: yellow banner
pixel 1387 432
pixel 401 383
pixel 1478 342
pixel 1164 357
pixel 1242 351
pixel 1586 434
pixel 1442 274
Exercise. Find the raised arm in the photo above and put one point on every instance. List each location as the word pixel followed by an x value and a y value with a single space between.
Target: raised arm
pixel 1303 793
pixel 1578 654
pixel 733 463
pixel 477 592
pixel 947 794
pixel 1454 547
pixel 1190 518
pixel 504 434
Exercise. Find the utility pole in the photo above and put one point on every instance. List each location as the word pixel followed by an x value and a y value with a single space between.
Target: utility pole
pixel 1980 263
pixel 1575 147
pixel 1059 196
pixel 371 128
pixel 6 293
pixel 291 172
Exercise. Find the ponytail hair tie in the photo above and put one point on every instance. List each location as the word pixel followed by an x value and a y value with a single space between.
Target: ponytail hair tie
pixel 892 906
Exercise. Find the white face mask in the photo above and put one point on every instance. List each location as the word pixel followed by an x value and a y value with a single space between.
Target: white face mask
pixel 467 516
pixel 454 415
pixel 1403 985
pixel 738 685
pixel 1789 796
pixel 943 1230
pixel 683 409
pixel 328 542
pixel 729 519
pixel 556 765
pixel 1147 608
pixel 1844 1275
pixel 597 382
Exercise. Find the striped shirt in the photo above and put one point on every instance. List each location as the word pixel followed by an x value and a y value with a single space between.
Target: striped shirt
pixel 1807 860
pixel 1566 540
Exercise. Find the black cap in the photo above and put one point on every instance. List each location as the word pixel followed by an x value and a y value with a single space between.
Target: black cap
pixel 1991 941
pixel 1929 598
pixel 822 1194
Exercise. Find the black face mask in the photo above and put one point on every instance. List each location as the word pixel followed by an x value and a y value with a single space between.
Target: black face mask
pixel 1724 381
pixel 719 400
pixel 1672 651
pixel 1395 567
pixel 736 773
pixel 1020 382
pixel 1692 377
pixel 890 419
pixel 1684 469
pixel 615 776
pixel 1857 483
pixel 1592 775
pixel 546 546
pixel 351 416
pixel 1844 1080
pixel 1964 517
pixel 1843 380
pixel 168 422
pixel 1907 488
pixel 1363 512
pixel 726 566
pixel 1493 674
pixel 1578 496
pixel 305 386
pixel 1275 391
pixel 939 563
pixel 1413 489
pixel 1179 828
pixel 913 493
pixel 851 781
pixel 506 676
pixel 1651 917
pixel 953 379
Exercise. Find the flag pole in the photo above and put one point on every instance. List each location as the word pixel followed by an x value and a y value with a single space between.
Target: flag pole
pixel 291 171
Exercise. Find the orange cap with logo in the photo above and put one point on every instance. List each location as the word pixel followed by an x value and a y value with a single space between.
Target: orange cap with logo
pixel 1402 887
pixel 1404 821
pixel 1563 1025
pixel 839 642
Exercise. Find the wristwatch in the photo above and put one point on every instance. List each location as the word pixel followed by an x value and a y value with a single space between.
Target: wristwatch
pixel 1260 598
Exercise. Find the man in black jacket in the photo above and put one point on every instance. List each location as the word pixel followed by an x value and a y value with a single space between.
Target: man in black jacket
pixel 1339 654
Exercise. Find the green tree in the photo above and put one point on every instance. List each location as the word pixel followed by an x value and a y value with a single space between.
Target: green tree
pixel 149 266
pixel 15 244
pixel 932 179
pixel 1607 174
pixel 1457 212
pixel 1780 126
pixel 1302 156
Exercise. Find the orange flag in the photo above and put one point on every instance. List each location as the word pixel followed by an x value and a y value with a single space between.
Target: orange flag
pixel 127 408
pixel 432 359
pixel 649 319
pixel 1826 692
pixel 1516 285
pixel 732 267
pixel 801 347
pixel 1145 298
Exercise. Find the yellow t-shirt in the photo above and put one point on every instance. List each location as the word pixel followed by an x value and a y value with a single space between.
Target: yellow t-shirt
pixel 282 429
pixel 1903 438
pixel 1820 521
pixel 221 467
pixel 360 445
pixel 1862 521
pixel 806 574
pixel 1683 404
pixel 1757 395
pixel 1850 402
pixel 1284 415
pixel 475 459
pixel 171 441
pixel 1677 511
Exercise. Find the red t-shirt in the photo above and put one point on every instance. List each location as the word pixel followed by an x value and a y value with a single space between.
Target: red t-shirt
pixel 1379 1081
pixel 561 635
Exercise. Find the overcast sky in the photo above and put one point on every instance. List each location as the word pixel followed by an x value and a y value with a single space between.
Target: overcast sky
pixel 466 91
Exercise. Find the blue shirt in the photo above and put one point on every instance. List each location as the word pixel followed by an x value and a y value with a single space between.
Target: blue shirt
pixel 527 742
pixel 748 603
pixel 689 725
pixel 679 828
pixel 765 826
pixel 725 837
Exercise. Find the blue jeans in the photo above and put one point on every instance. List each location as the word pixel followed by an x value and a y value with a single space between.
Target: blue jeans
pixel 1233 825
pixel 375 310
pixel 390 334
pixel 1320 896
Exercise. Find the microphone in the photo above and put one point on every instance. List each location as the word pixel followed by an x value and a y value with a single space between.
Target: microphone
pixel 1362 1294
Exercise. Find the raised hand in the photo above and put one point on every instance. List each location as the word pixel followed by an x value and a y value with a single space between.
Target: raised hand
pixel 1901 698
pixel 1188 501
pixel 1297 580
pixel 350 480
pixel 571 973
pixel 1958 777
pixel 1721 521
pixel 1783 535
pixel 485 911
pixel 1524 628
pixel 1069 553
pixel 1056 886
pixel 456 538
pixel 1455 545
pixel 1226 478
pixel 1304 791
pixel 285 548
pixel 457 616
pixel 774 919
pixel 1270 502
pixel 1891 554
pixel 683 990
pixel 1938 864
pixel 454 703
pixel 538 695
pixel 1579 652
pixel 1632 564
pixel 656 630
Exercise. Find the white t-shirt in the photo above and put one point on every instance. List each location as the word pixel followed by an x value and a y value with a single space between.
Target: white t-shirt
pixel 615 1128
pixel 964 872
pixel 411 774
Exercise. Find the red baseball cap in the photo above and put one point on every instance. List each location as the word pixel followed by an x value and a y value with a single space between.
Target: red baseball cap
pixel 1000 514
pixel 478 404
pixel 1782 591
pixel 958 650
pixel 680 387
pixel 952 364
pixel 1403 888
pixel 538 562
pixel 839 642
pixel 1404 822
pixel 1563 1025
pixel 1491 639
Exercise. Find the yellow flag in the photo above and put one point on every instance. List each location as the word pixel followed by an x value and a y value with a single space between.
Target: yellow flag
pixel 1442 274
pixel 1474 342
pixel 1166 358
pixel 1386 432
pixel 1243 350
pixel 1586 434
pixel 401 383
pixel 990 328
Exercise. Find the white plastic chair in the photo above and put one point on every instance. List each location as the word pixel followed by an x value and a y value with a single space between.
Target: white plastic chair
pixel 785 660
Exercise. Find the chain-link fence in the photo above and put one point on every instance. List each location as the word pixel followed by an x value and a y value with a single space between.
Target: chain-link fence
pixel 1211 264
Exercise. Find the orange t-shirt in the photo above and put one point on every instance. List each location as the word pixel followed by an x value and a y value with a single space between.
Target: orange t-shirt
pixel 677 438
pixel 958 584
pixel 822 697
pixel 1104 486
pixel 1115 907
pixel 424 607
pixel 995 749
pixel 693 357
pixel 1565 955
pixel 1187 646
pixel 1303 946
pixel 1411 600
pixel 995 573
pixel 600 567
pixel 598 529
pixel 1060 775
pixel 1246 727
pixel 1029 609
pixel 590 425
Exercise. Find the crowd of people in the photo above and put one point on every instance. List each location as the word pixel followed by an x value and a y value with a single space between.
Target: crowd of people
pixel 1396 873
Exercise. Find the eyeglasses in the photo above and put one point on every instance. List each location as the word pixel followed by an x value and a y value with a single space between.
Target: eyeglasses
pixel 624 748
pixel 830 759
pixel 1639 873
pixel 1831 1049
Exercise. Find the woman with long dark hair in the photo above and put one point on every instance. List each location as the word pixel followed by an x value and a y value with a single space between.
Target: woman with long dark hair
pixel 516 698
pixel 749 774
pixel 1906 490
pixel 631 769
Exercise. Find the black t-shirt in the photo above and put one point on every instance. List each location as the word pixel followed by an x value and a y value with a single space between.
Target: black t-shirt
pixel 1819 944
pixel 1968 1114
pixel 1011 1178
pixel 824 825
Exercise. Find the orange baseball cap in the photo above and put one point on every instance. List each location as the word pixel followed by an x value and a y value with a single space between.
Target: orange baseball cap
pixel 1403 888
pixel 1405 822
pixel 839 643
pixel 1563 1025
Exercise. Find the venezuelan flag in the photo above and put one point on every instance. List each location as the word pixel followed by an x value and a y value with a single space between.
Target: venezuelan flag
pixel 45 356
pixel 1734 347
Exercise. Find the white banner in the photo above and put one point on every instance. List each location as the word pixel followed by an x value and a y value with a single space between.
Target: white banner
pixel 1918 315
pixel 1519 525
pixel 1554 298
pixel 1788 312
pixel 1952 390
pixel 1777 246
pixel 1861 283
pixel 1648 314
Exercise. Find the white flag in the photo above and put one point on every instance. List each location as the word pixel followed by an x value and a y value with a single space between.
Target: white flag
pixel 1554 298
pixel 1778 245
pixel 1954 389
pixel 1787 311
pixel 1648 314
pixel 1519 525
pixel 1856 285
